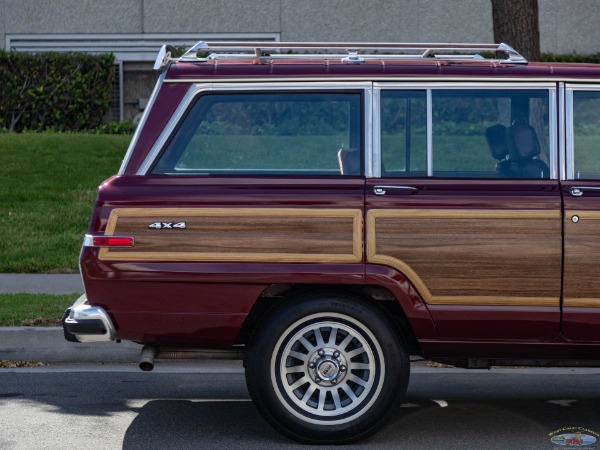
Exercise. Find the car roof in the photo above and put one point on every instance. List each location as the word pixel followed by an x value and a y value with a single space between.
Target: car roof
pixel 375 69
pixel 359 61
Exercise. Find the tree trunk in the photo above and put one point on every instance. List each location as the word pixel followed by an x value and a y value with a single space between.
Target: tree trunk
pixel 516 23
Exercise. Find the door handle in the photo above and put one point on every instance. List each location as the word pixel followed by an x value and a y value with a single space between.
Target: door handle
pixel 577 191
pixel 382 190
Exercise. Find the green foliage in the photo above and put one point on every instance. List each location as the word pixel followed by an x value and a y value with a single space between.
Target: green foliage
pixel 49 184
pixel 572 58
pixel 17 310
pixel 54 91
pixel 123 127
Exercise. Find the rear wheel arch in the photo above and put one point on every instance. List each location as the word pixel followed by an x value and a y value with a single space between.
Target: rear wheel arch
pixel 277 295
pixel 311 337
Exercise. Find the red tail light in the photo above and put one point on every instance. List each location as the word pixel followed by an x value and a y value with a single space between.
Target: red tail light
pixel 107 241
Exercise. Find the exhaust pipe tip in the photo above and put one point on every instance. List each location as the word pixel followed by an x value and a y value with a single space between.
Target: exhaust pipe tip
pixel 147 358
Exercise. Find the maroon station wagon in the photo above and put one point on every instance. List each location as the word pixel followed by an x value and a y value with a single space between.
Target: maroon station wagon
pixel 327 212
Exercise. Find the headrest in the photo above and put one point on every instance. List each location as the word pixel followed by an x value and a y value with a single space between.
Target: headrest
pixel 496 140
pixel 522 142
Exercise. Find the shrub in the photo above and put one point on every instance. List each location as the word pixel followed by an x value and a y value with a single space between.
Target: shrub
pixel 62 92
pixel 123 127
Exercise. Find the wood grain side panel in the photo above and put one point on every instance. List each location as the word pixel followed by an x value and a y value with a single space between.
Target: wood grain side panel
pixel 471 257
pixel 582 259
pixel 239 234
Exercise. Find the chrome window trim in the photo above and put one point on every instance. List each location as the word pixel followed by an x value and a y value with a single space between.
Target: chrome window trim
pixel 199 88
pixel 374 163
pixel 138 130
pixel 570 89
pixel 463 84
pixel 370 156
pixel 429 132
pixel 565 143
pixel 553 144
pixel 428 88
pixel 492 81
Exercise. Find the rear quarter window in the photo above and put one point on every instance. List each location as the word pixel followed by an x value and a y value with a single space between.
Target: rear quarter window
pixel 267 133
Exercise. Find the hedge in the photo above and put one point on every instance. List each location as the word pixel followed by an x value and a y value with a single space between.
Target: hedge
pixel 54 91
pixel 574 58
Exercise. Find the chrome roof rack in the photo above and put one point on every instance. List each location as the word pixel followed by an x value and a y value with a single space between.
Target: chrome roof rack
pixel 354 52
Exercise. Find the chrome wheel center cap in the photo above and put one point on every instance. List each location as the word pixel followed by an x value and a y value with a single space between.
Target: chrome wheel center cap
pixel 328 369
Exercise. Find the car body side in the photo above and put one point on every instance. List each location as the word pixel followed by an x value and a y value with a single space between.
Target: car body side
pixel 271 238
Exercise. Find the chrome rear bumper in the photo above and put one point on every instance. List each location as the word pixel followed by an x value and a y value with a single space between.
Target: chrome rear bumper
pixel 85 323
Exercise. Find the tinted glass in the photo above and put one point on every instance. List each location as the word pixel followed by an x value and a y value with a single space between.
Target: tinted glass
pixel 478 133
pixel 586 134
pixel 283 133
pixel 403 133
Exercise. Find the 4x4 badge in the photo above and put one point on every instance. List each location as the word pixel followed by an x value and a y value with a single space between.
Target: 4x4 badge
pixel 167 225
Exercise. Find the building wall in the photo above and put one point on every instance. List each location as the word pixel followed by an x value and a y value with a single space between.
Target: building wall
pixel 566 26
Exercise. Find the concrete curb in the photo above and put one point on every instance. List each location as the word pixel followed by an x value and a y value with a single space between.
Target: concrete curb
pixel 47 344
pixel 25 283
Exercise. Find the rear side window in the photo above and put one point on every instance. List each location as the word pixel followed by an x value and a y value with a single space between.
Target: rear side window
pixel 268 133
pixel 466 133
pixel 586 134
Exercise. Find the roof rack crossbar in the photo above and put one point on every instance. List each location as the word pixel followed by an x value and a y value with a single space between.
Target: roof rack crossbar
pixel 355 52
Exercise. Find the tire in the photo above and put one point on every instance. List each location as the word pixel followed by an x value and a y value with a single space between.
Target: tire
pixel 327 369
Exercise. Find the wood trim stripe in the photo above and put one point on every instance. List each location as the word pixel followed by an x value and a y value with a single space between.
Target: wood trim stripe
pixel 534 214
pixel 583 215
pixel 494 301
pixel 581 302
pixel 419 284
pixel 157 213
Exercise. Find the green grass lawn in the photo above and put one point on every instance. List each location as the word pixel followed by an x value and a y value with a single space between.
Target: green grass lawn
pixel 33 309
pixel 48 184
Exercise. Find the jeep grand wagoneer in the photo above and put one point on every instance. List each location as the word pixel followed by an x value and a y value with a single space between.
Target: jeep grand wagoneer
pixel 326 213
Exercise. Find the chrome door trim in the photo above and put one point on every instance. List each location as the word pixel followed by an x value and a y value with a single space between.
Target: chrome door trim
pixel 429 133
pixel 569 136
pixel 463 84
pixel 475 85
pixel 553 144
pixel 371 155
pixel 562 130
pixel 570 89
pixel 375 160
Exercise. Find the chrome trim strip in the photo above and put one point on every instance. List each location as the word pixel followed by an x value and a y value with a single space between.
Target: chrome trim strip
pixel 142 123
pixel 88 240
pixel 569 154
pixel 375 157
pixel 553 135
pixel 471 84
pixel 368 134
pixel 196 89
pixel 397 79
pixel 584 87
pixel 429 132
pixel 570 89
pixel 562 140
